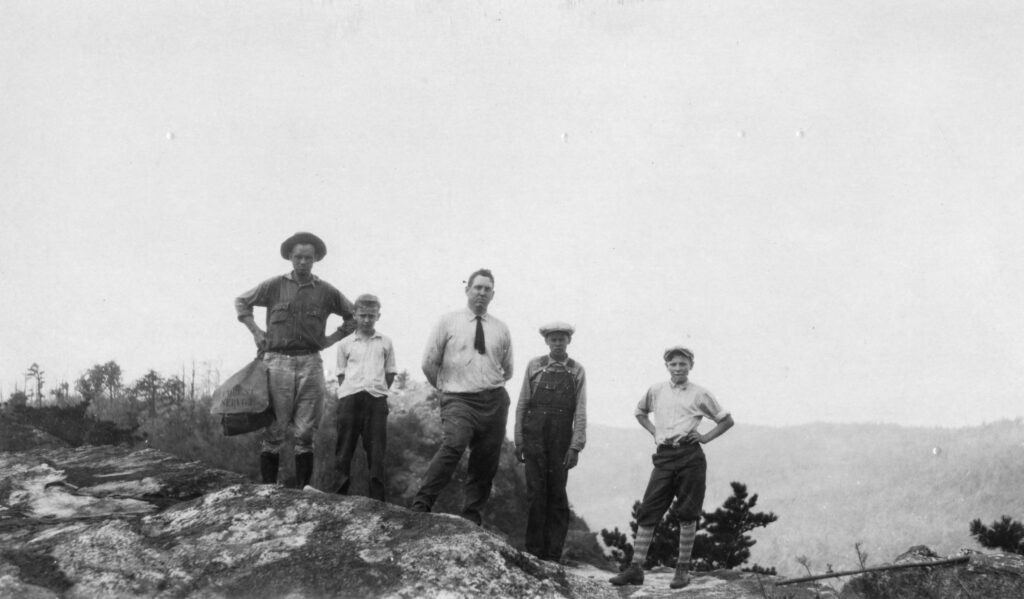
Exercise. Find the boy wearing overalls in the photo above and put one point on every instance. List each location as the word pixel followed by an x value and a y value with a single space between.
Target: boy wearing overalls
pixel 551 422
pixel 679 465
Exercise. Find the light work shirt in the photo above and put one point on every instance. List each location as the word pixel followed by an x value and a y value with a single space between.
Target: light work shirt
pixel 364 361
pixel 678 409
pixel 451 360
pixel 579 417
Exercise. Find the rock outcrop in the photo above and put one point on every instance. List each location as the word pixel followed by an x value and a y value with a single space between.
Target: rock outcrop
pixel 111 522
pixel 106 521
pixel 992 576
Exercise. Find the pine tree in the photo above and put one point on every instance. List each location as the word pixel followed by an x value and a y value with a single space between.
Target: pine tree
pixel 721 540
pixel 1006 534
pixel 36 373
pixel 618 543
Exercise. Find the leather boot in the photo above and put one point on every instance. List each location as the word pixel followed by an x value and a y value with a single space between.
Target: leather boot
pixel 634 574
pixel 268 467
pixel 303 469
pixel 681 578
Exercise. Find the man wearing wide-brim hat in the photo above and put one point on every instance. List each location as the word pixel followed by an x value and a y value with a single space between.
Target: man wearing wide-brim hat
pixel 298 305
pixel 551 430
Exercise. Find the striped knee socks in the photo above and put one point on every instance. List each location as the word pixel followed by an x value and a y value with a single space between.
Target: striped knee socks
pixel 687 531
pixel 644 536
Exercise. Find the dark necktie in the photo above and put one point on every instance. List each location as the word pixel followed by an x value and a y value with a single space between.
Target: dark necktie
pixel 478 343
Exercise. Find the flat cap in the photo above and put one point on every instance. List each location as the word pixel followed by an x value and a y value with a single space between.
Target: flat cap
pixel 557 327
pixel 319 247
pixel 678 349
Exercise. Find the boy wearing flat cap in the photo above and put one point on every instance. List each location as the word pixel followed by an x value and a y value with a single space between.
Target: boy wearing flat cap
pixel 551 429
pixel 298 304
pixel 679 465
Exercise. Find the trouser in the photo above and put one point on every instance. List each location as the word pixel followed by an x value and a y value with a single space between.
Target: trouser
pixel 476 421
pixel 679 472
pixel 546 439
pixel 363 414
pixel 297 392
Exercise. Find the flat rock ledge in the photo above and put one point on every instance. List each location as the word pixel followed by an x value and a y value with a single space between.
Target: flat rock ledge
pixel 108 521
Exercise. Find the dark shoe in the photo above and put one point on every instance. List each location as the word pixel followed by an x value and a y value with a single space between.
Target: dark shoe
pixel 634 574
pixel 303 469
pixel 376 491
pixel 422 503
pixel 682 577
pixel 268 467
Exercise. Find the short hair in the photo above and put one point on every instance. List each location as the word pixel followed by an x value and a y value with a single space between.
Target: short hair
pixel 480 272
pixel 368 301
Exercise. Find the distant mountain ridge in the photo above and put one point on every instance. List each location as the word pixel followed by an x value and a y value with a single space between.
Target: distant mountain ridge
pixel 831 485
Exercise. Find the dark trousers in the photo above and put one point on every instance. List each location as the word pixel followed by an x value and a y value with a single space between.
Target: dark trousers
pixel 546 439
pixel 680 473
pixel 362 414
pixel 476 421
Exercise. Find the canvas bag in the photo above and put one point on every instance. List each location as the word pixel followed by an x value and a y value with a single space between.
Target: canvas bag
pixel 243 401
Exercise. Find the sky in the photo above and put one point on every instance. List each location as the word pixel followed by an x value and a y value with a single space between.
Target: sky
pixel 821 199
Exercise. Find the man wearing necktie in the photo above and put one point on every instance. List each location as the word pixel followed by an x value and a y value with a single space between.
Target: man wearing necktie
pixel 468 358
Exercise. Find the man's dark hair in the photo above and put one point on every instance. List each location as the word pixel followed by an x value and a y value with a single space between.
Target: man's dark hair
pixel 485 272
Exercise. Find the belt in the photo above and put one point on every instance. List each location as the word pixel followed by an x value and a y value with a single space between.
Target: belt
pixel 472 394
pixel 295 352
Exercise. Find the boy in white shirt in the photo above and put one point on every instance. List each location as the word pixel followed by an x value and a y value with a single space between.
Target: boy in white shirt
pixel 366 369
pixel 679 465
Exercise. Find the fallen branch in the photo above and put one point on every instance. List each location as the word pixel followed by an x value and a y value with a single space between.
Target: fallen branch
pixel 941 562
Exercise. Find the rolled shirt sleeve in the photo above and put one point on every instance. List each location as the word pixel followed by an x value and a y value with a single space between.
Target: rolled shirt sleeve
pixel 342 360
pixel 434 352
pixel 341 306
pixel 257 296
pixel 523 405
pixel 710 407
pixel 646 404
pixel 579 418
pixel 506 361
pixel 389 360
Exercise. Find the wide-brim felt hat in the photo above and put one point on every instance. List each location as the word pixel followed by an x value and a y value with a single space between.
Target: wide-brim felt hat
pixel 319 247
